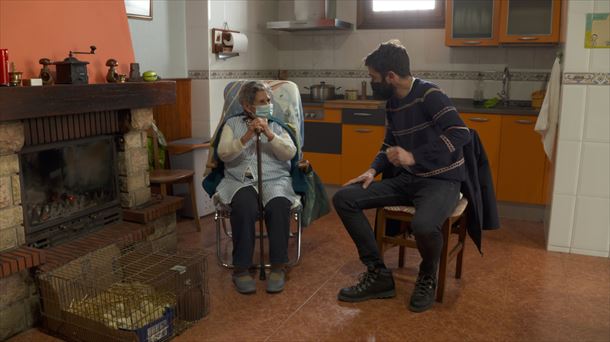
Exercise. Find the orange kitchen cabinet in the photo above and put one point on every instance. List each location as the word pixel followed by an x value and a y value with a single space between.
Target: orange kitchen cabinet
pixel 326 165
pixel 522 161
pixel 489 127
pixel 360 144
pixel 529 21
pixel 472 23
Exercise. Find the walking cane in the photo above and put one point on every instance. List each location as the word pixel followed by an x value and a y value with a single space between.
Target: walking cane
pixel 261 217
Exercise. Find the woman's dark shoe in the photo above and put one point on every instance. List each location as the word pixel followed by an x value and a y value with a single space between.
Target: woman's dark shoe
pixel 373 284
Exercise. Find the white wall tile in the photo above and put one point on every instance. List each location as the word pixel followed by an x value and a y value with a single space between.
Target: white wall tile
pixel 544 57
pixel 599 60
pixel 464 58
pixel 463 89
pixel 576 57
pixel 601 6
pixel 591 230
pixel 492 58
pixel 200 100
pixel 520 57
pixel 197 47
pixel 595 170
pixel 491 88
pixel 572 112
pixel 562 218
pixel 520 90
pixel 323 51
pixel 216 14
pixel 438 56
pixel 196 13
pixel 285 10
pixel 566 167
pixel 303 53
pixel 597 119
pixel 415 41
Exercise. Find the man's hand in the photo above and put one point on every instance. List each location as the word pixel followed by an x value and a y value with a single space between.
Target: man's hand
pixel 366 179
pixel 398 156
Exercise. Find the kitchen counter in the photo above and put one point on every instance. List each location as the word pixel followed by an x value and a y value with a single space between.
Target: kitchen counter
pixel 516 107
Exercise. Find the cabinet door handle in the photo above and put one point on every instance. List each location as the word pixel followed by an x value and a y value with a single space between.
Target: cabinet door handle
pixel 524 122
pixel 479 119
pixel 364 130
pixel 528 38
pixel 472 42
pixel 363 114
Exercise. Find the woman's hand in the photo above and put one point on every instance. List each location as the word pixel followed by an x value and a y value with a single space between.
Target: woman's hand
pixel 250 133
pixel 262 125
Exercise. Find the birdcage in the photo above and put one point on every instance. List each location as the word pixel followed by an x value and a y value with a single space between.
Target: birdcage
pixel 134 293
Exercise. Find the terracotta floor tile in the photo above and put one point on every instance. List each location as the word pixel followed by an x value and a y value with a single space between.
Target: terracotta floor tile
pixel 515 291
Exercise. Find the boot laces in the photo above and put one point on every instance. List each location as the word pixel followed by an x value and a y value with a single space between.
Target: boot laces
pixel 365 280
pixel 424 285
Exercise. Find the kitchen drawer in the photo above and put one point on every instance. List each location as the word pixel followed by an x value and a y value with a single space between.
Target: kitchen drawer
pixel 326 165
pixel 375 117
pixel 360 146
pixel 322 137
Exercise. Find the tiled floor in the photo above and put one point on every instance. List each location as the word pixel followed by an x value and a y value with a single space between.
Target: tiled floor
pixel 515 292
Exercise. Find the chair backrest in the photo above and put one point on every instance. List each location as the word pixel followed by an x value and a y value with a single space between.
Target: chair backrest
pixel 287 106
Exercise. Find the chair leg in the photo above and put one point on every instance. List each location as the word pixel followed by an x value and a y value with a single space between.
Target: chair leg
pixel 380 231
pixel 401 256
pixel 461 241
pixel 194 204
pixel 442 271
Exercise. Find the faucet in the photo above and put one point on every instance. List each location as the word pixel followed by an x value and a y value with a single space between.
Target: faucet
pixel 504 94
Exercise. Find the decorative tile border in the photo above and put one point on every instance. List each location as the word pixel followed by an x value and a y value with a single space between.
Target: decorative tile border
pixel 310 73
pixel 587 78
pixel 437 75
pixel 232 74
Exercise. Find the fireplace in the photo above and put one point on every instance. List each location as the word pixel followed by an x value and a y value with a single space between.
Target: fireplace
pixel 73 181
pixel 68 189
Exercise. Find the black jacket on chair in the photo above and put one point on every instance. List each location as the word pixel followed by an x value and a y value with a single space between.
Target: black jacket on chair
pixel 478 189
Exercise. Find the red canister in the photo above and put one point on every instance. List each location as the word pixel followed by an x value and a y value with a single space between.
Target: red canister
pixel 4 67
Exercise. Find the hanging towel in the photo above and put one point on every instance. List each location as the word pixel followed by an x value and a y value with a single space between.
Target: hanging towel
pixel 546 125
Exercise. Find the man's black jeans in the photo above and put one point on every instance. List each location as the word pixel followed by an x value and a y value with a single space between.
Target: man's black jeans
pixel 434 201
pixel 244 214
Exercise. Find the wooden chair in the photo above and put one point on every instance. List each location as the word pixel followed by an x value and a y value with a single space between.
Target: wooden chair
pixel 455 223
pixel 165 177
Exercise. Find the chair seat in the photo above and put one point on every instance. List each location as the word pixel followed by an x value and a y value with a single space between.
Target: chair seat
pixel 459 208
pixel 162 176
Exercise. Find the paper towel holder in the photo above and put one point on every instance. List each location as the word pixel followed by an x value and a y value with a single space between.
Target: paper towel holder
pixel 218 47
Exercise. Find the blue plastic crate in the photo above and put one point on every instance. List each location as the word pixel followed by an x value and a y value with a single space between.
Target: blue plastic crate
pixel 159 330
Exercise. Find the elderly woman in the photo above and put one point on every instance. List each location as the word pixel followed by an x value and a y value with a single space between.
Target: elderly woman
pixel 237 149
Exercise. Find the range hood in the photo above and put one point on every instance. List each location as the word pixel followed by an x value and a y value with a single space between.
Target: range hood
pixel 312 15
pixel 309 25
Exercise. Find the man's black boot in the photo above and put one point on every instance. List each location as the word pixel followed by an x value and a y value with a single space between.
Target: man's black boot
pixel 374 283
pixel 424 293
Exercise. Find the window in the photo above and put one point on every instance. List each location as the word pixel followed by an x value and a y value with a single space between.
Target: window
pixel 395 14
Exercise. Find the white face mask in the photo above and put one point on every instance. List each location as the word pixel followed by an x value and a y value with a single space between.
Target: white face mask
pixel 264 111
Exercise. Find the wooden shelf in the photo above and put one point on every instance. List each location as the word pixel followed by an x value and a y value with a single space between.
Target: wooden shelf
pixel 18 103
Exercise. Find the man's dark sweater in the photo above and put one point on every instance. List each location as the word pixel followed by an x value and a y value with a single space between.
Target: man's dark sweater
pixel 426 123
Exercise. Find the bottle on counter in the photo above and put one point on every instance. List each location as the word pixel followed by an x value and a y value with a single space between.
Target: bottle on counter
pixel 477 97
pixel 363 90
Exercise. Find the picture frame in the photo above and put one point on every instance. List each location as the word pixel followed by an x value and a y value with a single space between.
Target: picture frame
pixel 139 9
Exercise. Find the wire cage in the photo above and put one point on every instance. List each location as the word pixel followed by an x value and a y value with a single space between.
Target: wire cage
pixel 136 293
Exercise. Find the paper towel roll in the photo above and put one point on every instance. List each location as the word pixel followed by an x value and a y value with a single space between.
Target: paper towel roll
pixel 238 42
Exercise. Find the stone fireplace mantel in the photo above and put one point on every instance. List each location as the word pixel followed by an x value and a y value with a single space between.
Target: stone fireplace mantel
pixel 18 103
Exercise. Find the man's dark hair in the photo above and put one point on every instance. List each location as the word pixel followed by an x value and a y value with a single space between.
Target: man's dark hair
pixel 389 56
